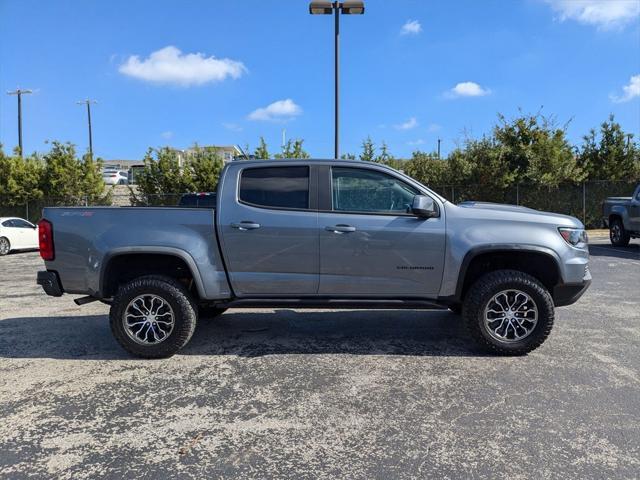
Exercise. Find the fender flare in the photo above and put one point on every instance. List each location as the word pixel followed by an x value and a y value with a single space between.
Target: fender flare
pixel 499 248
pixel 171 251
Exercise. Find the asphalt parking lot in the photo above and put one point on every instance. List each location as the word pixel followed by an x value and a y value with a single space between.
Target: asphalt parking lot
pixel 321 394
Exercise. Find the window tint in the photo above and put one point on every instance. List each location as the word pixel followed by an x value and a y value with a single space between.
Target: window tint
pixel 282 187
pixel 21 224
pixel 7 223
pixel 360 190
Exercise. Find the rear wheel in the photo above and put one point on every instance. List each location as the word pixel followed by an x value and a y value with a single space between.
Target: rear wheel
pixel 153 316
pixel 617 234
pixel 5 246
pixel 508 312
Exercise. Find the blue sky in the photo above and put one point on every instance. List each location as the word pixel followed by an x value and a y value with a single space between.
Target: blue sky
pixel 177 72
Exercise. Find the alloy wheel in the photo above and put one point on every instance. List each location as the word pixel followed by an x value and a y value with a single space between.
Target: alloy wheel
pixel 148 319
pixel 510 316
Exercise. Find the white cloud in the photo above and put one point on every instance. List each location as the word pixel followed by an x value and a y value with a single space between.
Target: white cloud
pixel 411 27
pixel 234 127
pixel 168 135
pixel 467 89
pixel 415 143
pixel 631 91
pixel 281 110
pixel 170 66
pixel 433 127
pixel 605 14
pixel 408 125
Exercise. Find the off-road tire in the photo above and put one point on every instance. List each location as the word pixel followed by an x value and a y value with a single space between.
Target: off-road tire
pixel 483 290
pixel 623 239
pixel 7 250
pixel 206 312
pixel 175 294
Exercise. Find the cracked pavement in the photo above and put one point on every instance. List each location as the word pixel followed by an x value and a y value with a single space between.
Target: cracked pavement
pixel 321 394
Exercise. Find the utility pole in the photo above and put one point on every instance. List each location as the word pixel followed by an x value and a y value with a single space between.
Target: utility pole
pixel 19 92
pixel 439 140
pixel 88 103
pixel 336 8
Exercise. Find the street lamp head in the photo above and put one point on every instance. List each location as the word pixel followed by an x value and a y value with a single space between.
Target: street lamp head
pixel 352 8
pixel 321 8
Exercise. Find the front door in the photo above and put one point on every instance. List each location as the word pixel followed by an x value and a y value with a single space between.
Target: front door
pixel 269 231
pixel 370 245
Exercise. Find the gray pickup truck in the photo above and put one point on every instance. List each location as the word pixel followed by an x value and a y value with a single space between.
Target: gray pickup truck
pixel 621 215
pixel 317 234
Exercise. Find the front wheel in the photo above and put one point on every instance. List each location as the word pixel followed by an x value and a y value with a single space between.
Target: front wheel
pixel 508 312
pixel 617 234
pixel 5 246
pixel 153 316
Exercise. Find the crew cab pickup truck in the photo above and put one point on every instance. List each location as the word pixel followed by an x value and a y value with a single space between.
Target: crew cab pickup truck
pixel 622 216
pixel 318 234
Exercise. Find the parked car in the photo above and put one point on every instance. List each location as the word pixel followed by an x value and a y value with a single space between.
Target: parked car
pixel 202 199
pixel 317 234
pixel 115 177
pixel 621 215
pixel 17 234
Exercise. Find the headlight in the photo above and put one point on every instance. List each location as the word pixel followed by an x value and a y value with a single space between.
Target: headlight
pixel 576 237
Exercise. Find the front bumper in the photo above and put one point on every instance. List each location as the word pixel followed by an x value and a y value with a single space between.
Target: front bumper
pixel 567 294
pixel 50 283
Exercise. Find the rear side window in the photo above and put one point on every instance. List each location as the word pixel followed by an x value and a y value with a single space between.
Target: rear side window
pixel 280 187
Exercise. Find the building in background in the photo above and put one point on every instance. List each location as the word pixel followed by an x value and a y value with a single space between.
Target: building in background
pixel 228 153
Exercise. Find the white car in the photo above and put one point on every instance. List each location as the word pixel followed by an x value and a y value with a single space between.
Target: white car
pixel 17 234
pixel 115 177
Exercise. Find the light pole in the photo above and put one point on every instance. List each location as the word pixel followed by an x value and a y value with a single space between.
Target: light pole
pixel 19 93
pixel 336 8
pixel 88 103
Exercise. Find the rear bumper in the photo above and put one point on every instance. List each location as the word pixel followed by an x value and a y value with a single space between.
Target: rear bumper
pixel 568 294
pixel 50 283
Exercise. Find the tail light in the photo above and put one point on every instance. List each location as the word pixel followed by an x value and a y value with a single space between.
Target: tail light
pixel 45 238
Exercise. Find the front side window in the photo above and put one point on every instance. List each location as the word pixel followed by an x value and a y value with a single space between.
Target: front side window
pixel 279 187
pixel 360 190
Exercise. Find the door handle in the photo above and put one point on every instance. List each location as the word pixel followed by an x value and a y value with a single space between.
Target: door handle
pixel 341 228
pixel 245 225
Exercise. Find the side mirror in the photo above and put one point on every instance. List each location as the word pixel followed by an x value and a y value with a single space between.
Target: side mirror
pixel 424 207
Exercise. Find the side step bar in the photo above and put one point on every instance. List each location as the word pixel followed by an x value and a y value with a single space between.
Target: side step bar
pixel 331 303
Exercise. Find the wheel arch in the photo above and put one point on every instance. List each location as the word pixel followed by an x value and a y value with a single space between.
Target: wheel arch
pixel 540 262
pixel 131 262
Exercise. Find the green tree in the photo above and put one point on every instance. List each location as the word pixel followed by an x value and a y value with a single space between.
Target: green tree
pixel 92 183
pixel 610 154
pixel 293 149
pixel 162 180
pixel 427 168
pixel 205 165
pixel 262 152
pixel 384 156
pixel 536 150
pixel 368 150
pixel 20 179
pixel 62 175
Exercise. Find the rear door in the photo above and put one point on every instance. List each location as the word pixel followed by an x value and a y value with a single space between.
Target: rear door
pixel 268 223
pixel 369 244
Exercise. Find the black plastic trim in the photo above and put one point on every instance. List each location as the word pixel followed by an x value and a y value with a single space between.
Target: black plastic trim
pixel 568 294
pixel 497 248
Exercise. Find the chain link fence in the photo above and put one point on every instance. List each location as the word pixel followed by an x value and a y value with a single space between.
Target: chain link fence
pixel 583 201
